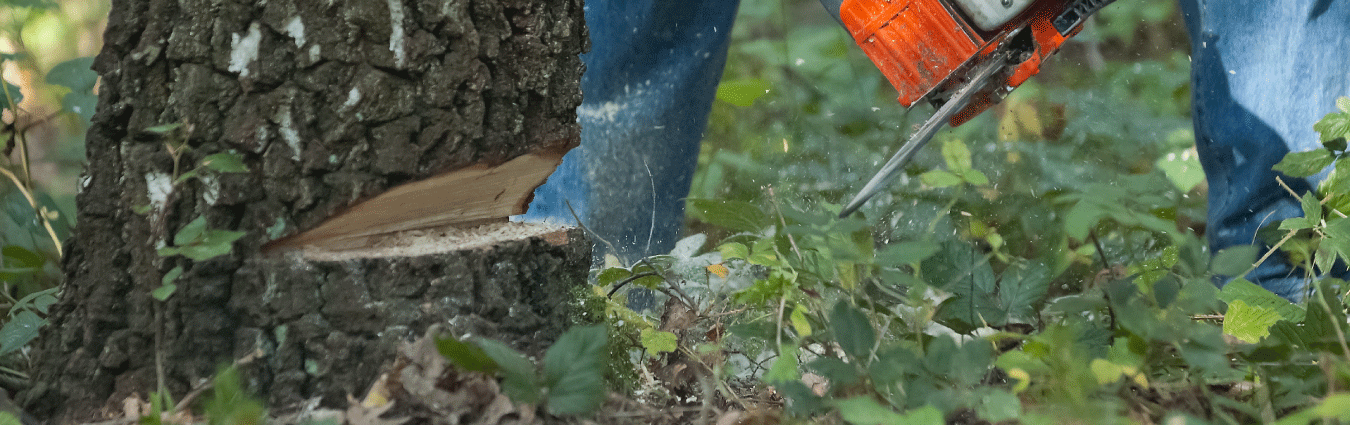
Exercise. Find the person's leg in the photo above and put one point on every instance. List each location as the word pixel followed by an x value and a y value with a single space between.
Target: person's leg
pixel 650 80
pixel 1262 73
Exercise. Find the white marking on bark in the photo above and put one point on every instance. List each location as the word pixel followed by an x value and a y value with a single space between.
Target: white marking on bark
pixel 396 31
pixel 314 53
pixel 353 96
pixel 244 50
pixel 157 186
pixel 288 132
pixel 210 189
pixel 296 29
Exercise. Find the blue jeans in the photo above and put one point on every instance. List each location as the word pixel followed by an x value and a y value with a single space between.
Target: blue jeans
pixel 650 80
pixel 1262 73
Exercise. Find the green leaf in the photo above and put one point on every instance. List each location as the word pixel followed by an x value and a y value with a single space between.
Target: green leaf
pixel 1234 260
pixel 906 253
pixel 1312 214
pixel 1256 296
pixel 468 357
pixel 1343 103
pixel 852 331
pixel 1335 125
pixel 164 128
pixel 520 380
pixel 229 403
pixel 81 104
pixel 658 341
pixel 799 322
pixel 742 92
pixel 733 250
pixel 866 411
pixel 1022 290
pixel 998 406
pixel 1334 406
pixel 1247 322
pixel 1082 218
pixel 957 155
pixel 21 329
pixel 212 244
pixel 611 276
pixel 1183 169
pixel 225 162
pixel 838 373
pixel 7 418
pixel 164 292
pixel 77 74
pixel 940 178
pixel 190 232
pixel 21 257
pixel 1304 164
pixel 738 216
pixel 574 370
pixel 784 368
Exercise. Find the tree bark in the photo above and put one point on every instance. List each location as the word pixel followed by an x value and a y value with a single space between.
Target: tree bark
pixel 329 103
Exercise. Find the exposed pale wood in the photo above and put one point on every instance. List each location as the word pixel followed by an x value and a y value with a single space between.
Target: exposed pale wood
pixel 465 197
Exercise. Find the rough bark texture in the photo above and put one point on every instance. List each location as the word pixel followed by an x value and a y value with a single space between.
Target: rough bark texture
pixel 329 102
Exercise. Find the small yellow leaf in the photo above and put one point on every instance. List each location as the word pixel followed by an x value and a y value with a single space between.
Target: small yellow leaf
pixel 719 270
pixel 1022 377
pixel 799 322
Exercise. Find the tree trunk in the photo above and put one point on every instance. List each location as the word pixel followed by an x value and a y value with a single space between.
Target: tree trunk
pixel 329 104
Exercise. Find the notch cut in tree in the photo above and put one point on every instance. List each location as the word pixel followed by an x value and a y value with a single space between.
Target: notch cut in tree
pixel 467 197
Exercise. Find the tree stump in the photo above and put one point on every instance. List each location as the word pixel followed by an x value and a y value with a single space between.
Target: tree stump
pixel 335 107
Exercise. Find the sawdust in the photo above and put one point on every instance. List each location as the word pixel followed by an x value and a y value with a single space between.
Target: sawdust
pixel 426 242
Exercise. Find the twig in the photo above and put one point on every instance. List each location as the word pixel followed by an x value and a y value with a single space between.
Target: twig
pixel 1101 252
pixel 592 232
pixel 628 280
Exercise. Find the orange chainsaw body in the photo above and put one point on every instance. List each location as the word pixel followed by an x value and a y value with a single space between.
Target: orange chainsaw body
pixel 924 47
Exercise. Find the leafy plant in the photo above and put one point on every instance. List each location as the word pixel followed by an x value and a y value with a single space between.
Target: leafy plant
pixel 572 380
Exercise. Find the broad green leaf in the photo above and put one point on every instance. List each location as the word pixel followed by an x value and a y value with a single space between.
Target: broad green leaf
pixel 1304 164
pixel 1082 218
pixel 866 411
pixel 742 92
pixel 172 276
pixel 7 418
pixel 738 216
pixel 835 371
pixel 1335 125
pixel 611 276
pixel 21 329
pixel 906 253
pixel 212 244
pixel 225 162
pixel 190 232
pixel 1022 290
pixel 1247 322
pixel 998 406
pixel 1234 260
pixel 468 357
pixel 574 370
pixel 852 331
pixel 1343 103
pixel 1334 406
pixel 658 341
pixel 18 256
pixel 1183 169
pixel 229 403
pixel 799 322
pixel 784 368
pixel 957 155
pixel 940 178
pixel 1253 295
pixel 81 104
pixel 77 74
pixel 733 250
pixel 520 380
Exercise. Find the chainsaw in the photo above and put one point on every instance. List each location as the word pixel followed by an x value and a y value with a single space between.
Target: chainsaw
pixel 962 56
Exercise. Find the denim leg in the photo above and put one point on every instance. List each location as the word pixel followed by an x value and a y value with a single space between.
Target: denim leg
pixel 650 79
pixel 1262 73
